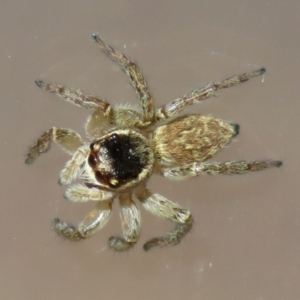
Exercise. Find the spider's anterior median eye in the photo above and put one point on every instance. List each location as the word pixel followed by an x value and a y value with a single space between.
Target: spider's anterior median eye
pixel 93 160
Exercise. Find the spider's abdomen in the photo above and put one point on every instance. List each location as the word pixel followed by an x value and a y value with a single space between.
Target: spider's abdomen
pixel 192 138
pixel 121 159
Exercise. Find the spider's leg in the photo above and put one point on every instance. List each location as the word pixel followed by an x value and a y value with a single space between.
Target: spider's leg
pixel 76 97
pixel 74 166
pixel 136 78
pixel 173 108
pixel 94 221
pixel 213 168
pixel 82 193
pixel 68 139
pixel 96 123
pixel 162 207
pixel 131 225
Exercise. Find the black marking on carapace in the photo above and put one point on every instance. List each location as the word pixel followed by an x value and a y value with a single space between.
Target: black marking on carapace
pixel 118 161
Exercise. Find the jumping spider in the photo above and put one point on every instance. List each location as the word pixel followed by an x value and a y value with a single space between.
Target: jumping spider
pixel 126 149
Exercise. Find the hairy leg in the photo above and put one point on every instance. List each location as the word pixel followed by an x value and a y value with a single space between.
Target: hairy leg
pixel 68 139
pixel 213 168
pixel 74 166
pixel 76 97
pixel 162 207
pixel 82 193
pixel 173 108
pixel 131 225
pixel 96 123
pixel 136 78
pixel 93 222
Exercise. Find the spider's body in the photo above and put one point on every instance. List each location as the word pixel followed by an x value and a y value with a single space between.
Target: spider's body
pixel 126 148
pixel 121 159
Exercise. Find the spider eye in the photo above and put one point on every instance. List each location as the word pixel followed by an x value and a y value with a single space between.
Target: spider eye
pixel 93 160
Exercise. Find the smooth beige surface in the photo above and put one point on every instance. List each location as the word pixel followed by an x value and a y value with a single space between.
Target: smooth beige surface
pixel 245 243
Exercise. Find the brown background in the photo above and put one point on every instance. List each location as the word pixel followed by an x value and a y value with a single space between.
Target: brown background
pixel 245 243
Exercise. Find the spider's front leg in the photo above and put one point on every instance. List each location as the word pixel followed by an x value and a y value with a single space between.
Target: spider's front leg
pixel 172 109
pixel 131 225
pixel 68 139
pixel 162 207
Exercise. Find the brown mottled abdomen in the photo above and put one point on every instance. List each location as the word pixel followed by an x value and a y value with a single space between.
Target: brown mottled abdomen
pixel 191 138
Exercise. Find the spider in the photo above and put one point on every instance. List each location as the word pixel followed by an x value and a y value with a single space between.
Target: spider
pixel 125 149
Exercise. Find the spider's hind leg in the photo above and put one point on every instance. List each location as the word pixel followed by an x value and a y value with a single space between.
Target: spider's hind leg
pixel 162 207
pixel 236 167
pixel 214 168
pixel 131 224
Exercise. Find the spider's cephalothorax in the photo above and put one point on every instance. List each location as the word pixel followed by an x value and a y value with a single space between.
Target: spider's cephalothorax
pixel 126 148
pixel 121 159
